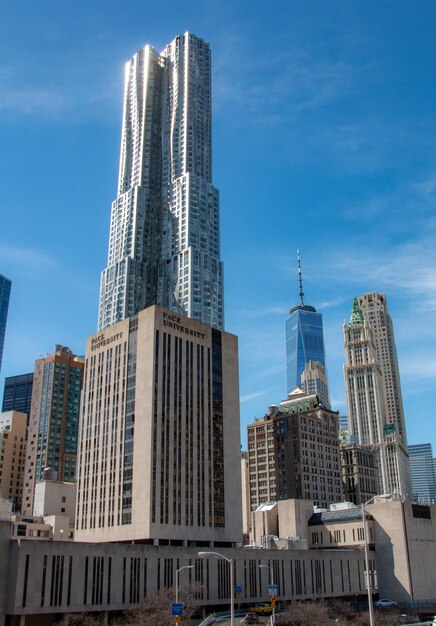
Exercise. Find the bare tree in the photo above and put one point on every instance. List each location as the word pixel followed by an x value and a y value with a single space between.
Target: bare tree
pixel 156 609
pixel 305 614
pixel 82 619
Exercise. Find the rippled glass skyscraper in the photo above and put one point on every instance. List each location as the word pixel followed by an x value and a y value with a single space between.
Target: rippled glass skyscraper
pixel 164 242
pixel 304 339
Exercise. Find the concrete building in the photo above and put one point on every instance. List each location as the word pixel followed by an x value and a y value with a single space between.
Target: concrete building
pixel 5 292
pixel 54 420
pixel 164 242
pixel 17 395
pixel 360 474
pixel 53 497
pixel 304 341
pixel 312 556
pixel 302 445
pixel 401 539
pixel 159 457
pixel 423 474
pixel 12 456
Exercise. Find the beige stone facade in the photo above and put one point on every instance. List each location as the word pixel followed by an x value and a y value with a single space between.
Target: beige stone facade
pixel 12 455
pixel 159 436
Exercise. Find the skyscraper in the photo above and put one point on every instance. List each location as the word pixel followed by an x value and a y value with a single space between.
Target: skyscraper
pixel 366 404
pixel 54 420
pixel 304 339
pixel 159 454
pixel 17 394
pixel 375 311
pixel 164 243
pixel 423 472
pixel 5 291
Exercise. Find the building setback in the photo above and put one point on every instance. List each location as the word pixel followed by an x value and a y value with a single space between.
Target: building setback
pixel 294 453
pixel 159 457
pixel 54 420
pixel 164 242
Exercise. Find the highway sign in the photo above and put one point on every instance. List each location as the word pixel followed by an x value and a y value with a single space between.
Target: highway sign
pixel 176 609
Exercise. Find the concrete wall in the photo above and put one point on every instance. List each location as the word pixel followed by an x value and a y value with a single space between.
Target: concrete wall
pixel 58 577
pixel 406 548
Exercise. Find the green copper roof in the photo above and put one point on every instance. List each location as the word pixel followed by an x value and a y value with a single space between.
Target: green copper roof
pixel 356 318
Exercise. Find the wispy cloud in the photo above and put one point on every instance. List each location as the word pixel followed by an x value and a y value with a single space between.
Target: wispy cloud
pixel 255 394
pixel 27 258
pixel 329 304
pixel 297 81
pixel 33 101
pixel 68 87
pixel 256 312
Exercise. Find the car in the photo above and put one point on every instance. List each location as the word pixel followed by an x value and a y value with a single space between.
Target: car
pixel 250 618
pixel 386 604
pixel 263 609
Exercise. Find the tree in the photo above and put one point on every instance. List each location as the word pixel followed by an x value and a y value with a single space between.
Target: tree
pixel 156 609
pixel 305 614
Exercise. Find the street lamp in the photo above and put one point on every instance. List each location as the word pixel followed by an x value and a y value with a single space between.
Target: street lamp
pixel 271 580
pixel 205 555
pixel 177 580
pixel 365 537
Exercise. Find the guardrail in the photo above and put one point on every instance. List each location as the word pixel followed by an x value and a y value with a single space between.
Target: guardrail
pixel 213 617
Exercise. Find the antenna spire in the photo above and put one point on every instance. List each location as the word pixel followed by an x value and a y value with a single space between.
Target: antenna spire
pixel 300 279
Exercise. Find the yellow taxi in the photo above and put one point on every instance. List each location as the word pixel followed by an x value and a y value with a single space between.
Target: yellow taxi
pixel 262 609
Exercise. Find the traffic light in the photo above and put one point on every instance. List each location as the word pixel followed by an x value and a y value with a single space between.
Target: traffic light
pixel 273 603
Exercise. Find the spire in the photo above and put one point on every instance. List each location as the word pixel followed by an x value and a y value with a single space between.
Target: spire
pixel 356 318
pixel 301 306
pixel 300 280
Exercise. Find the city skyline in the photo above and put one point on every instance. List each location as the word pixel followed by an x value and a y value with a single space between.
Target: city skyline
pixel 313 143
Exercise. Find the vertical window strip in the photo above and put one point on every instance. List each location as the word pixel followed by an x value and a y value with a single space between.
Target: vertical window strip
pixel 44 576
pixel 70 576
pixel 26 576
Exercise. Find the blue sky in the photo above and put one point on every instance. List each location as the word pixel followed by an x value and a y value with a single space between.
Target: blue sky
pixel 324 127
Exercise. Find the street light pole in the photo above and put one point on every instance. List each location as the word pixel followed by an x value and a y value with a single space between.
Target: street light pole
pixel 365 538
pixel 271 579
pixel 203 555
pixel 177 580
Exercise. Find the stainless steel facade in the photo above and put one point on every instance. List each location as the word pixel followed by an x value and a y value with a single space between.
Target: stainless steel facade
pixel 164 242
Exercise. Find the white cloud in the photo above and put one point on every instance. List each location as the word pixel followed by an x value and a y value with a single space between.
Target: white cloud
pixel 255 394
pixel 27 258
